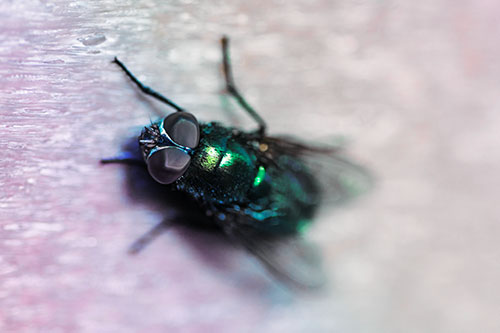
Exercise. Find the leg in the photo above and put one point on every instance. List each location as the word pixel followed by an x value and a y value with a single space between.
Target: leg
pixel 231 87
pixel 148 237
pixel 146 89
pixel 124 160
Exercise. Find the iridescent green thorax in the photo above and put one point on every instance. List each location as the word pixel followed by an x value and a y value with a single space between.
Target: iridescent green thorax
pixel 223 167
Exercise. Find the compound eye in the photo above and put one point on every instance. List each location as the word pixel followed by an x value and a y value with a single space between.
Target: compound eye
pixel 183 129
pixel 168 164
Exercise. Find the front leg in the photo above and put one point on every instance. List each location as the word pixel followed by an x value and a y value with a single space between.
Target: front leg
pixel 124 158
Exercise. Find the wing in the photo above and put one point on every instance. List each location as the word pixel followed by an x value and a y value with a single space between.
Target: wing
pixel 285 201
pixel 340 179
pixel 289 258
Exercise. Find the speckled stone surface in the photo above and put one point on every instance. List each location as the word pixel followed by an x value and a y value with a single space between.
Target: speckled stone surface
pixel 413 86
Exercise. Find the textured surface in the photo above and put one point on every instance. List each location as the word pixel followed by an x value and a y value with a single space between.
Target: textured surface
pixel 412 85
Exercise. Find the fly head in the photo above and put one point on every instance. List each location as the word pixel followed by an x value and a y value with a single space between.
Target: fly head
pixel 167 146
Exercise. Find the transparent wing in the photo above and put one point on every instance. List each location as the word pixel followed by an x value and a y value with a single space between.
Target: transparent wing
pixel 339 178
pixel 288 258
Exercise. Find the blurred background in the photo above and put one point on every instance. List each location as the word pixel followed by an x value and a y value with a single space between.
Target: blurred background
pixel 413 87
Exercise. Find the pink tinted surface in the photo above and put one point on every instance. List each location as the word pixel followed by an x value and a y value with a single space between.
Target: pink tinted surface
pixel 413 85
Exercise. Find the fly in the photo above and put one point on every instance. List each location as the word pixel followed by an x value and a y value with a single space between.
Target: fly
pixel 256 188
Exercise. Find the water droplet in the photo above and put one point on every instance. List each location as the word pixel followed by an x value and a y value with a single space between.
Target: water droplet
pixel 91 40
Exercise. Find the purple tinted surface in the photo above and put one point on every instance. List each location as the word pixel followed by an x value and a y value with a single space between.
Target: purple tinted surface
pixel 413 86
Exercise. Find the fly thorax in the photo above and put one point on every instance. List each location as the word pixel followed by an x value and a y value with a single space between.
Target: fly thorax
pixel 222 168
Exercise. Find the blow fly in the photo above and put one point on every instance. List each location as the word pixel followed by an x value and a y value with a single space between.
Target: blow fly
pixel 259 190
